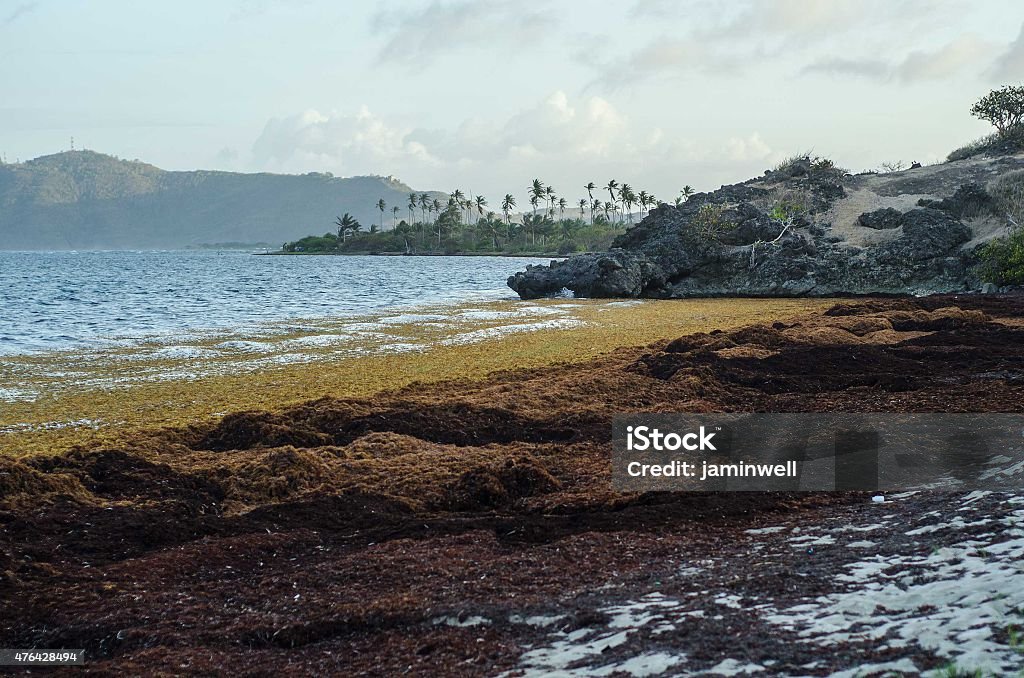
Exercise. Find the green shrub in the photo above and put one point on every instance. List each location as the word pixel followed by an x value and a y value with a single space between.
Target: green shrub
pixel 1003 259
pixel 1008 193
pixel 1003 107
pixel 710 222
pixel 783 205
pixel 813 165
pixel 784 165
pixel 1008 143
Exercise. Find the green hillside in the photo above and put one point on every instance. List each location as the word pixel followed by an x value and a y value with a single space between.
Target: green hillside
pixel 87 200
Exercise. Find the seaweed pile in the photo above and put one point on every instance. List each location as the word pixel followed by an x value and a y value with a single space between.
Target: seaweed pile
pixel 369 534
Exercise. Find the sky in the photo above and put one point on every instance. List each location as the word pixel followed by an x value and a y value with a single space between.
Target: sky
pixel 485 95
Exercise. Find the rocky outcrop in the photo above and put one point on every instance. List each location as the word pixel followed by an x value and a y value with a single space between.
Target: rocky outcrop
pixel 881 219
pixel 804 230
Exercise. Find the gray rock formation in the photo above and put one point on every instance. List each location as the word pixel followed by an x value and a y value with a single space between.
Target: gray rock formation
pixel 804 230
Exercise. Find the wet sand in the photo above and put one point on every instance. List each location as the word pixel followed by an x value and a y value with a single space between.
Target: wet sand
pixel 467 527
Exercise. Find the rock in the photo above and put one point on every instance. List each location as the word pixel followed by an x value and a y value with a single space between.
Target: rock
pixel 969 200
pixel 881 219
pixel 990 288
pixel 615 274
pixel 928 233
pixel 758 245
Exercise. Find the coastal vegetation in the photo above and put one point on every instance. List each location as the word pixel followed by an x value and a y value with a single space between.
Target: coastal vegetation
pixel 467 223
pixel 1004 108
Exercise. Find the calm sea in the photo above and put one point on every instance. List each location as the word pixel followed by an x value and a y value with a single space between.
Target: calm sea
pixel 66 300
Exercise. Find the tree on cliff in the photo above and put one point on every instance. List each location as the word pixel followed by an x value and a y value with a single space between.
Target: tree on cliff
pixel 1003 107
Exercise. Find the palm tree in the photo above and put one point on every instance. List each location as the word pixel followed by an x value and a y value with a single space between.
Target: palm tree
pixel 457 199
pixel 413 204
pixel 403 230
pixel 583 209
pixel 481 203
pixel 533 203
pixel 394 220
pixel 537 192
pixel 420 228
pixel 591 187
pixel 535 223
pixel 611 186
pixel 549 195
pixel 686 192
pixel 424 203
pixel 345 224
pixel 644 200
pixel 506 206
pixel 435 207
pixel 381 205
pixel 562 204
pixel 493 227
pixel 626 197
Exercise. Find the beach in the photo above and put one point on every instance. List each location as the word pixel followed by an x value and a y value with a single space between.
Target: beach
pixel 462 520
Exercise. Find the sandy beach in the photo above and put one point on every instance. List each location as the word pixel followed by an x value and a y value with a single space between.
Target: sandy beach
pixel 464 522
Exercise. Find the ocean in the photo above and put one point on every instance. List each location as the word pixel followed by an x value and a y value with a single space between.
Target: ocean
pixel 60 301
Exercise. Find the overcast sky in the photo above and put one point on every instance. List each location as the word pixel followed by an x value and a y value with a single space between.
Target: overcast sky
pixel 487 95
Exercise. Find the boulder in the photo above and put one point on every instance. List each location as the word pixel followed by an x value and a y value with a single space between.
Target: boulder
pixel 617 273
pixel 969 200
pixel 881 219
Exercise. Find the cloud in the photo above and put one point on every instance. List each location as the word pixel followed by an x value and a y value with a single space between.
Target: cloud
pixel 563 139
pixel 753 148
pixel 353 144
pixel 666 57
pixel 418 37
pixel 20 11
pixel 712 37
pixel 1009 66
pixel 227 156
pixel 567 140
pixel 966 54
pixel 839 66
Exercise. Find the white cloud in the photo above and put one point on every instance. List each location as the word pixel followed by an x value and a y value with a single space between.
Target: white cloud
pixel 752 148
pixel 966 55
pixel 350 144
pixel 566 140
pixel 18 12
pixel 417 37
pixel 882 39
pixel 1009 66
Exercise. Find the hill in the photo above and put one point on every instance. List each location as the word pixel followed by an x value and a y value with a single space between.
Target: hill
pixel 807 228
pixel 88 200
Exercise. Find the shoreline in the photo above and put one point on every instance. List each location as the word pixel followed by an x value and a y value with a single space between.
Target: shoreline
pixel 511 255
pixel 71 397
pixel 463 522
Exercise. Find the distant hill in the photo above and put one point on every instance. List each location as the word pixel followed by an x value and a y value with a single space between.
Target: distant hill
pixel 88 200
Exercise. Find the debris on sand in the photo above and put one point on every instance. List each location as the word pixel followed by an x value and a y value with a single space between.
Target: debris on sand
pixel 332 535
